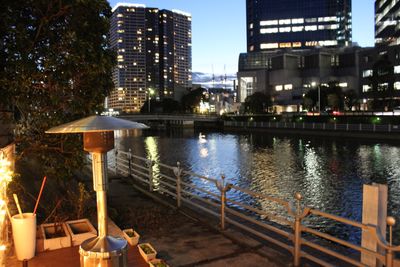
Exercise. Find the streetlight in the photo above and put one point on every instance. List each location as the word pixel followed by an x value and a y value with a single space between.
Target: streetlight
pixel 151 91
pixel 98 139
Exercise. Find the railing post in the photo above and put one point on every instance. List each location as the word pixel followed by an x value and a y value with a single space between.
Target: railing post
pixel 129 162
pixel 223 203
pixel 178 172
pixel 389 252
pixel 150 169
pixel 297 232
pixel 223 187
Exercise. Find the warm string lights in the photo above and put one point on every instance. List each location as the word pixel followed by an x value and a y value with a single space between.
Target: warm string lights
pixel 6 174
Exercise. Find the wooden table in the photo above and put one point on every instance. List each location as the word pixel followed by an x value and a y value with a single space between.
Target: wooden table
pixel 69 257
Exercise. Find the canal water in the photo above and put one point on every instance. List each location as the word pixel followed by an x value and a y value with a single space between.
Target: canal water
pixel 329 172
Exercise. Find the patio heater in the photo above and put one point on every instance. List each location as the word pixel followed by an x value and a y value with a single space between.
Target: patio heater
pixel 98 138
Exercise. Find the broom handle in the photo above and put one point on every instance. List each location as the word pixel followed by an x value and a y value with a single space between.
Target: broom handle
pixel 18 206
pixel 40 194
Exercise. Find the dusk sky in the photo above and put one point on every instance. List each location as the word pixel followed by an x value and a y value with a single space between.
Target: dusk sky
pixel 219 29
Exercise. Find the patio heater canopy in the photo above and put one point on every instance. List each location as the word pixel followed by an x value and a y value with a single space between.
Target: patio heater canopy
pixel 96 123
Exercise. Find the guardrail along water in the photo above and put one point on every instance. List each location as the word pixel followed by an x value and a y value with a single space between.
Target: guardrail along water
pixel 263 173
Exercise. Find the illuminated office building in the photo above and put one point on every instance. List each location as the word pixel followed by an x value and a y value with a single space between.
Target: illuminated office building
pixel 153 50
pixel 387 14
pixel 297 24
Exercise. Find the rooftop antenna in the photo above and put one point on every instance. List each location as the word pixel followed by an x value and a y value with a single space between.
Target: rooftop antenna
pixel 225 76
pixel 213 77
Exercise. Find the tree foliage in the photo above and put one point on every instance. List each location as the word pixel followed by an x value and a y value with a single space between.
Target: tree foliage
pixel 56 67
pixel 167 105
pixel 257 102
pixel 192 100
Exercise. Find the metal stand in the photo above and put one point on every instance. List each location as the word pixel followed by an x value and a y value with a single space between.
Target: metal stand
pixel 102 250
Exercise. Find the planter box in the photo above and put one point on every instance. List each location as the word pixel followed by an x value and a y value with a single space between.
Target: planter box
pixel 55 236
pixel 150 255
pixel 80 230
pixel 158 263
pixel 131 236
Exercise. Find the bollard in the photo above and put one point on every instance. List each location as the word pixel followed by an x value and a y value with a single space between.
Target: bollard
pixel 178 172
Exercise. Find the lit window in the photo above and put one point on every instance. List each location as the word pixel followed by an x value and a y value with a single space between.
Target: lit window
pixel 284 29
pixel 326 19
pixel 297 28
pixel 327 43
pixel 284 21
pixel 296 44
pixel 285 45
pixel 269 45
pixel 366 88
pixel 269 30
pixel 278 88
pixel 342 84
pixel 251 26
pixel 396 86
pixel 367 73
pixel 397 69
pixel 288 86
pixel 268 22
pixel 383 86
pixel 311 28
pixel 310 20
pixel 298 21
pixel 120 16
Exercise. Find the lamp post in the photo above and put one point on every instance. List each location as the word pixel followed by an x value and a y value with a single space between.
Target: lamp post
pixel 98 138
pixel 150 92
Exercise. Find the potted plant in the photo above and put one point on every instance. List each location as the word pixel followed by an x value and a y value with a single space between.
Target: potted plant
pixel 80 230
pixel 131 236
pixel 147 251
pixel 55 236
pixel 158 263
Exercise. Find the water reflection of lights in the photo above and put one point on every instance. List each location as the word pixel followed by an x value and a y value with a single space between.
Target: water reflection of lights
pixel 203 152
pixel 313 174
pixel 152 151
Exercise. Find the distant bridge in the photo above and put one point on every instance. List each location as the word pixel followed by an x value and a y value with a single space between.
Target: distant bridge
pixel 167 117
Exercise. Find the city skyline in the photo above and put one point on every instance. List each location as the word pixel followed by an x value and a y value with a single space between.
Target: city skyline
pixel 219 29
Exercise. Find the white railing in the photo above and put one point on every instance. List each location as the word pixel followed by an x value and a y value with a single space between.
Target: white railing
pixel 355 127
pixel 279 222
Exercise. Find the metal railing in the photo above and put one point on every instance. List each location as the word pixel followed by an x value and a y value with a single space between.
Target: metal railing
pixel 282 223
pixel 348 127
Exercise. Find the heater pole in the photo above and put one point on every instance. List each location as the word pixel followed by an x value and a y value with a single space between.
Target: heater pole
pixel 100 185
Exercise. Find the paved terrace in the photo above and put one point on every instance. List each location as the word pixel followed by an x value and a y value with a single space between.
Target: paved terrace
pixel 179 239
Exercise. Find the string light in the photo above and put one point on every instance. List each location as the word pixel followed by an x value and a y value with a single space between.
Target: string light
pixel 5 177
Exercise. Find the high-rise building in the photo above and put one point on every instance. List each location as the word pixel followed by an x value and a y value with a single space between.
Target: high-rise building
pixel 387 16
pixel 153 50
pixel 297 24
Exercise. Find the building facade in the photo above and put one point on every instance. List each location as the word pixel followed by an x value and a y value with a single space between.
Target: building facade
pixel 387 15
pixel 380 78
pixel 288 75
pixel 297 24
pixel 154 55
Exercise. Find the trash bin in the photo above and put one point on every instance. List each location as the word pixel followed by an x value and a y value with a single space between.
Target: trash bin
pixel 24 235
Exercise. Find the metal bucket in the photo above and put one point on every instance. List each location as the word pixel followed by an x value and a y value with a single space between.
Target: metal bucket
pixel 104 252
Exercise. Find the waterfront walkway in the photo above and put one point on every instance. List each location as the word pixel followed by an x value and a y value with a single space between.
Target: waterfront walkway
pixel 182 240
